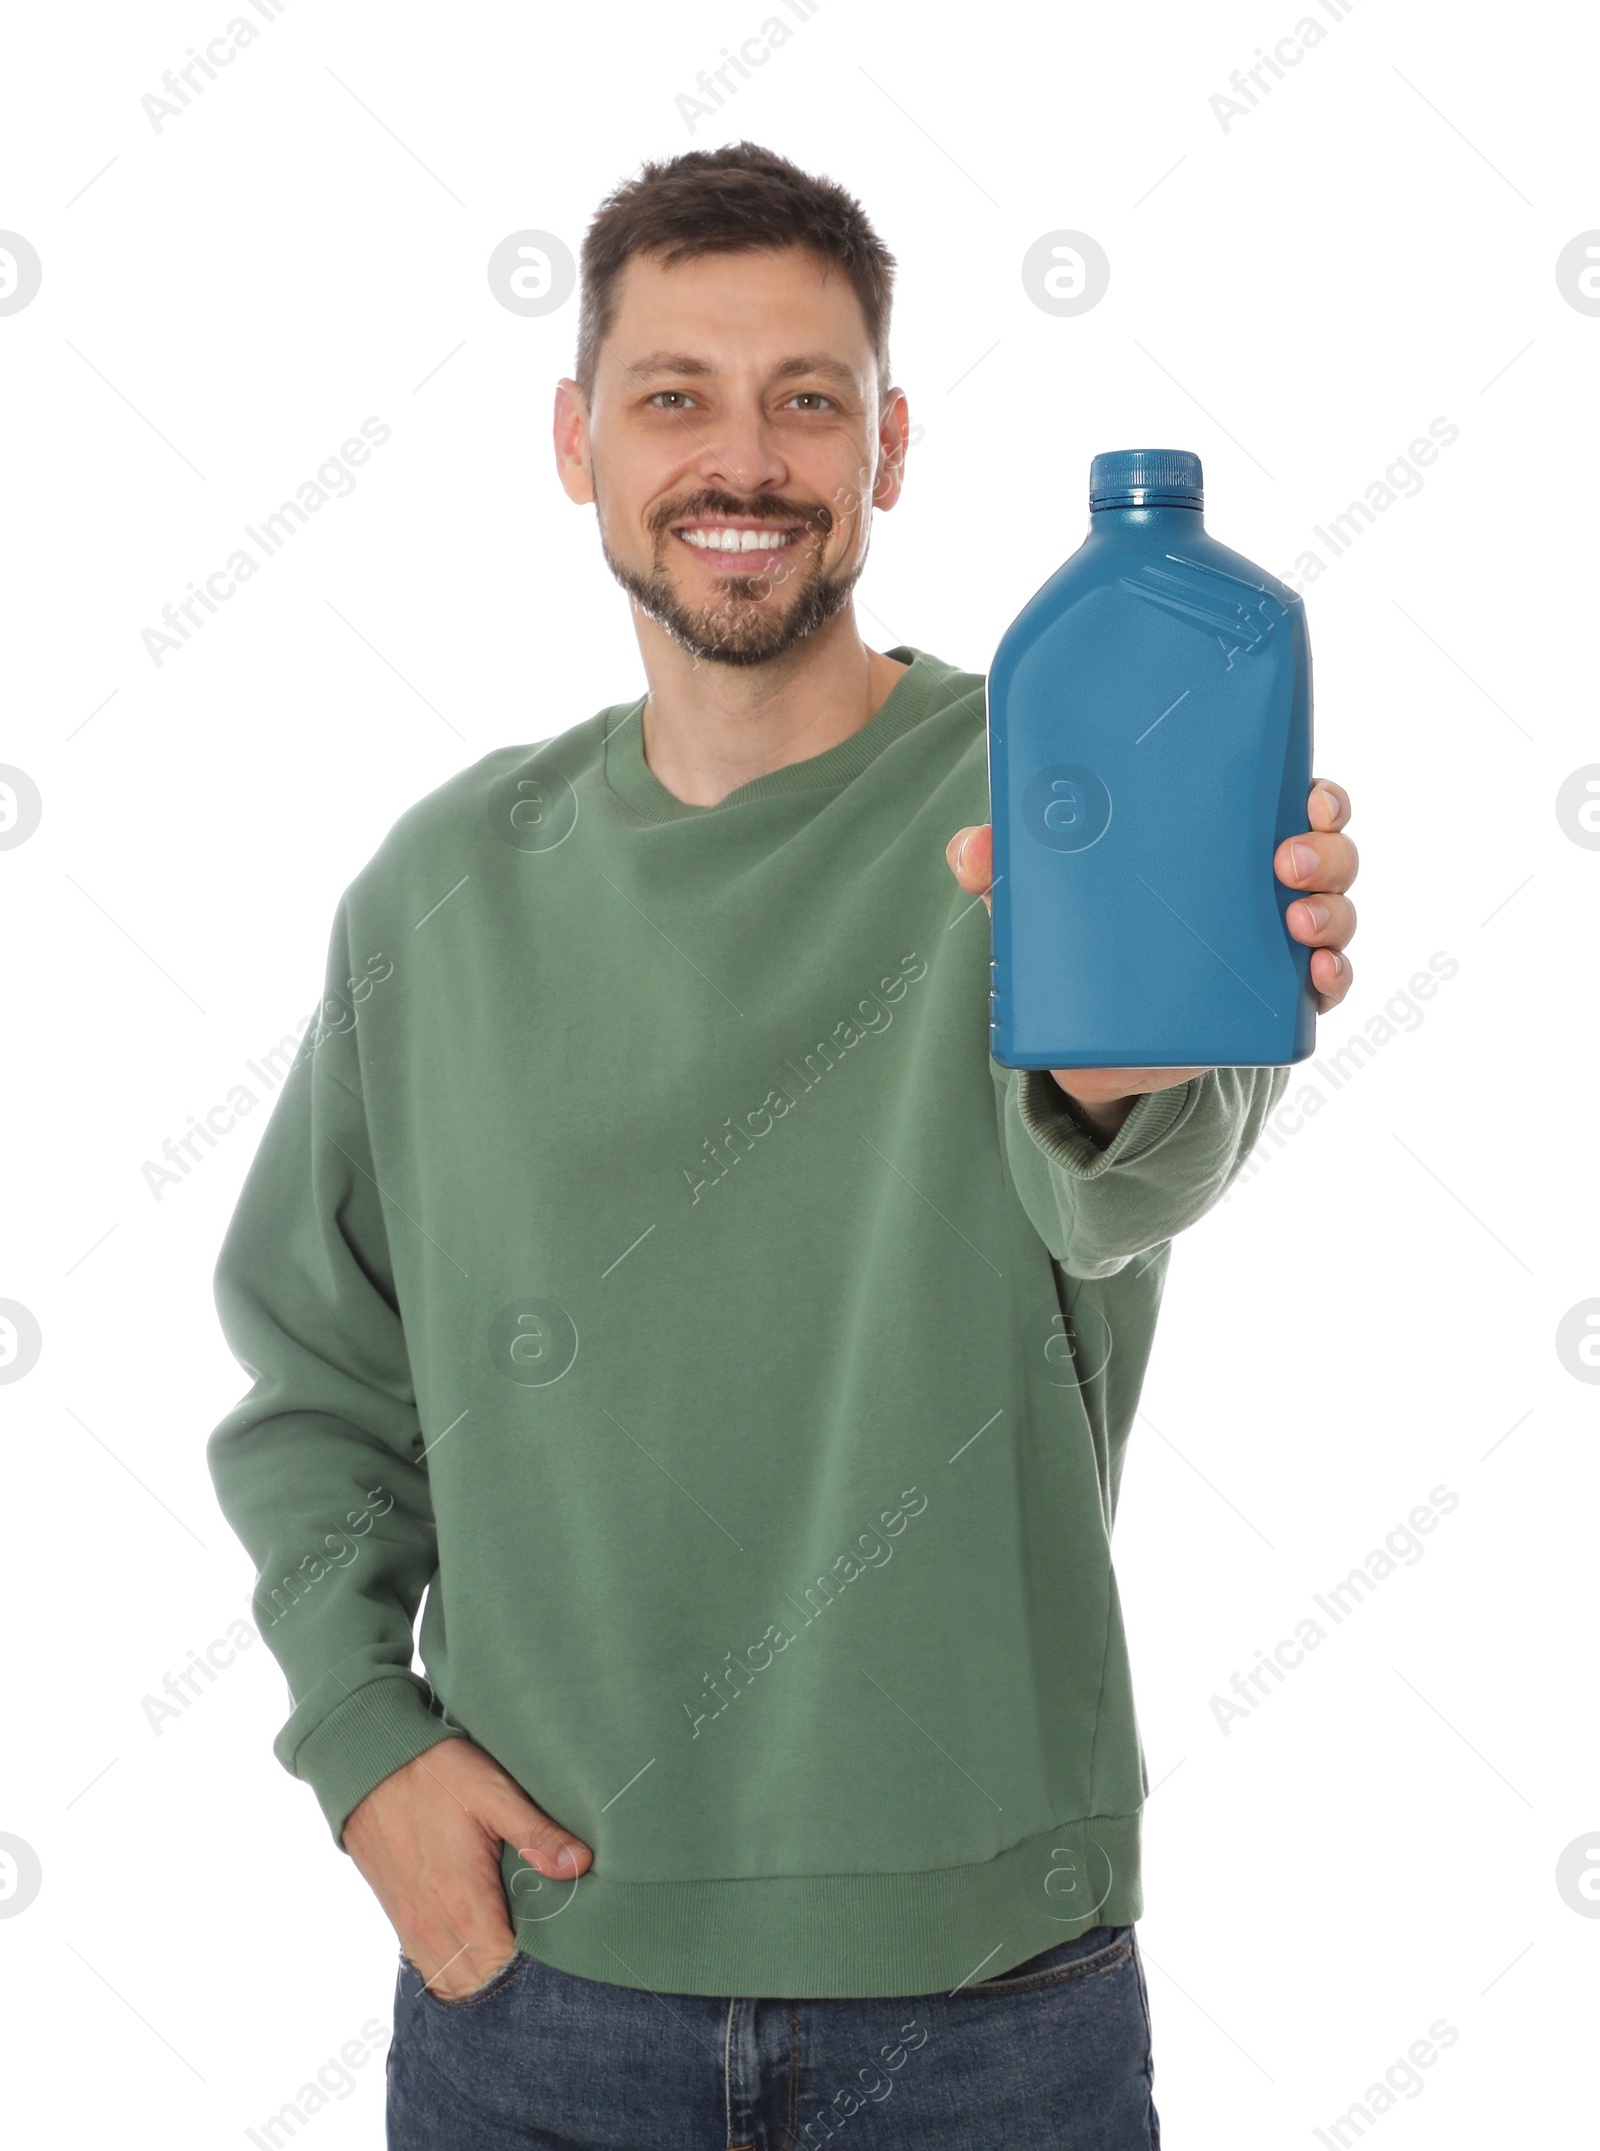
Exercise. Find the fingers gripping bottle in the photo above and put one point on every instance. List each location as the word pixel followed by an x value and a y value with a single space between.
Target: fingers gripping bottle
pixel 1149 748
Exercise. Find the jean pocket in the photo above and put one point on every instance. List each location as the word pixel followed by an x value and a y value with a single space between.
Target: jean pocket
pixel 1098 1949
pixel 496 1983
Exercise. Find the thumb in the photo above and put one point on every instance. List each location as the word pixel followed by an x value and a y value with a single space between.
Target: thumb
pixel 542 1842
pixel 970 855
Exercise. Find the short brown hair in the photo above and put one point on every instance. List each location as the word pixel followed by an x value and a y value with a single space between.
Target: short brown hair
pixel 723 201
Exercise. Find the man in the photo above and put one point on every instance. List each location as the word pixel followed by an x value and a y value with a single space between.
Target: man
pixel 647 1267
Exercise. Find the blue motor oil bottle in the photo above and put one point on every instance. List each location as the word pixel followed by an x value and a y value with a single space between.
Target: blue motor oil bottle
pixel 1149 748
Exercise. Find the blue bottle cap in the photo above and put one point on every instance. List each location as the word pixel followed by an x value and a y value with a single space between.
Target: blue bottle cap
pixel 1144 477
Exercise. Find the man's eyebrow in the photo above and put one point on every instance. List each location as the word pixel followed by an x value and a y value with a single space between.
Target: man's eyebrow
pixel 686 364
pixel 817 362
pixel 667 362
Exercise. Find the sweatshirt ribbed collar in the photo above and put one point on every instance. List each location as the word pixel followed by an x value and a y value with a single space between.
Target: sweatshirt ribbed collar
pixel 916 693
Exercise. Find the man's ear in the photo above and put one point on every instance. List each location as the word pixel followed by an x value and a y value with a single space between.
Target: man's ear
pixel 570 437
pixel 894 429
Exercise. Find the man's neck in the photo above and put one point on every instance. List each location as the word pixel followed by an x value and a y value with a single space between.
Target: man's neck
pixel 709 728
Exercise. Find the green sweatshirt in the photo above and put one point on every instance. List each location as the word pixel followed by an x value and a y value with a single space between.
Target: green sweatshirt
pixel 646 1271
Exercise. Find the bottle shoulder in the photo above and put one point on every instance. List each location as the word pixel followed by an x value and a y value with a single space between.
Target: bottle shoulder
pixel 1192 577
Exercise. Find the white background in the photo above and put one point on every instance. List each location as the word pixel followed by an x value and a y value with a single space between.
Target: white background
pixel 1372 1314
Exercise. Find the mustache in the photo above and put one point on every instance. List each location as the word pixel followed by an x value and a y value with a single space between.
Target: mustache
pixel 762 508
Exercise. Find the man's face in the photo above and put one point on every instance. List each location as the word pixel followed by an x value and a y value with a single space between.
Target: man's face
pixel 735 447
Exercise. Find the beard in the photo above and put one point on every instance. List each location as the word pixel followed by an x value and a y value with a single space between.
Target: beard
pixel 753 618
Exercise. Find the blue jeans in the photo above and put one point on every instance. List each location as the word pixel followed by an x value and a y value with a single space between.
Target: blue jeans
pixel 1054 2056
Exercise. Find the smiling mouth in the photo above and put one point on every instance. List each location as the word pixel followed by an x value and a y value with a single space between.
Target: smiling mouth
pixel 739 548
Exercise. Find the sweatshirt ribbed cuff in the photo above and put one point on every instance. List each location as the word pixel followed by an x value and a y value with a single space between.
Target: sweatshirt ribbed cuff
pixel 1044 1112
pixel 374 1732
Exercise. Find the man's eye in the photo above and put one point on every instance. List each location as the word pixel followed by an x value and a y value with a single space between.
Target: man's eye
pixel 815 395
pixel 683 394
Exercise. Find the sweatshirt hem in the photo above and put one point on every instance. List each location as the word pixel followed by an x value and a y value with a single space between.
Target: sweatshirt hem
pixel 838 1937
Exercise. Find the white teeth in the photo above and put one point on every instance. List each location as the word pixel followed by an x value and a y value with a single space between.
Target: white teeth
pixel 737 541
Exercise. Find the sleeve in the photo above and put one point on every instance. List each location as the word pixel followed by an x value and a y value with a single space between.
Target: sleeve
pixel 320 1468
pixel 1172 1159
